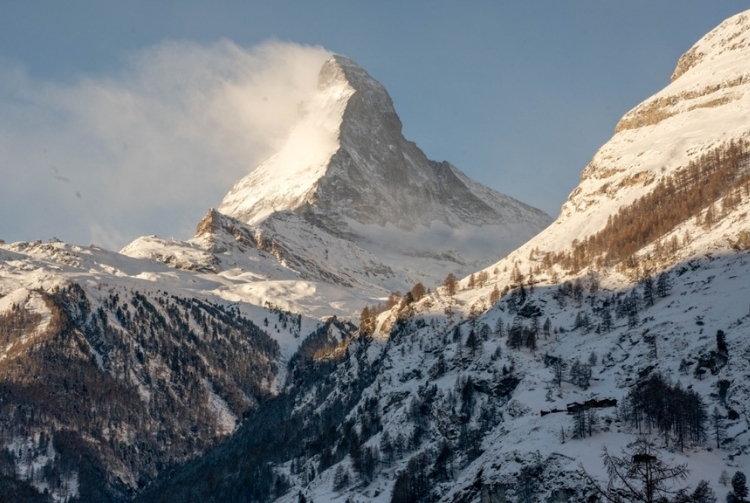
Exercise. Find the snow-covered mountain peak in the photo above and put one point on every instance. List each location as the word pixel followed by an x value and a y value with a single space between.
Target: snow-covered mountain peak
pixel 339 70
pixel 347 105
pixel 346 159
pixel 704 107
pixel 288 179
pixel 348 203
pixel 729 38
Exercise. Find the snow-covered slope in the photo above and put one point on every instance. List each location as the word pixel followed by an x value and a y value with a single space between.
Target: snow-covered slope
pixel 445 407
pixel 706 105
pixel 486 403
pixel 442 399
pixel 113 366
pixel 667 145
pixel 45 267
pixel 351 208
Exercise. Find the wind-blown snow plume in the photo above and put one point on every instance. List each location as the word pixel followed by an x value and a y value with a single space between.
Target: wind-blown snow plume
pixel 168 134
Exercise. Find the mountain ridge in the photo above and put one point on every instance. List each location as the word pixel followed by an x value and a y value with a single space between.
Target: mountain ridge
pixel 362 209
pixel 456 391
pixel 496 387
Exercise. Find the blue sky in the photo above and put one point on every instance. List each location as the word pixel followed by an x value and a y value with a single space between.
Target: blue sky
pixel 517 94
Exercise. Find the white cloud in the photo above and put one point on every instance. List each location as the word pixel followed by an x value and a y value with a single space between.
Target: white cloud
pixel 150 149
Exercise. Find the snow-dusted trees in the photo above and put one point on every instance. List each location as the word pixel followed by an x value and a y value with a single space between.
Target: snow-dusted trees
pixel 443 469
pixel 648 291
pixel 473 343
pixel 717 425
pixel 530 340
pixel 580 374
pixel 721 342
pixel 386 448
pixel 558 368
pixel 663 285
pixel 641 475
pixel 739 491
pixel 365 462
pixel 582 321
pixel 439 368
pixel 414 482
pixel 515 334
pixel 484 331
pixel 546 328
pixel 606 317
pixel 632 303
pixel 593 359
pixel 341 478
pixel 457 335
pixel 677 414
pixel 526 485
pixel 585 422
pixel 499 327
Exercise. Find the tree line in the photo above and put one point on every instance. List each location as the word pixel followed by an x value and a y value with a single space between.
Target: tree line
pixel 677 414
pixel 691 192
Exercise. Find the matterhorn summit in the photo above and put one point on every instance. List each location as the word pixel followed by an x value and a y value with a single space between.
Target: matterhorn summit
pixel 348 203
pixel 347 158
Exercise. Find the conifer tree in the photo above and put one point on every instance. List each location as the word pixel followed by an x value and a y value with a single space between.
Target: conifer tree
pixel 721 342
pixel 450 284
pixel 499 327
pixel 494 295
pixel 484 332
pixel 718 426
pixel 662 285
pixel 546 328
pixel 739 489
pixel 473 343
pixel 606 316
pixel 640 475
pixel 648 291
pixel 593 359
